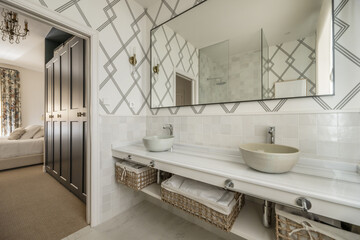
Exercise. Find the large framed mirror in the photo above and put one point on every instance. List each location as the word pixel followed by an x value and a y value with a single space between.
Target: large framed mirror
pixel 223 51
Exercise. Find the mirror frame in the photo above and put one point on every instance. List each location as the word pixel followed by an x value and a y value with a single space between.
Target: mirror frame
pixel 240 101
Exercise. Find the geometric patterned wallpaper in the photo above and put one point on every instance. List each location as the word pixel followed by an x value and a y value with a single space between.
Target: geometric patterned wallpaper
pixel 174 54
pixel 124 25
pixel 290 61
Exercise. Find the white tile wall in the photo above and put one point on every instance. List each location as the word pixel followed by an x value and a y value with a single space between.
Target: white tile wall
pixel 243 69
pixel 332 136
pixel 116 198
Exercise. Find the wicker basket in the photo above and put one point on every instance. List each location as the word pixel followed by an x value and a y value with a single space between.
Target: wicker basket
pixel 290 226
pixel 136 177
pixel 201 211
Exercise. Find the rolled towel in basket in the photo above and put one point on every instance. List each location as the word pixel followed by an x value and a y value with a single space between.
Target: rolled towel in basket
pixel 213 197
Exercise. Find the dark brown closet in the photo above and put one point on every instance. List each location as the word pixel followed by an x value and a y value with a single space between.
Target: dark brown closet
pixel 66 117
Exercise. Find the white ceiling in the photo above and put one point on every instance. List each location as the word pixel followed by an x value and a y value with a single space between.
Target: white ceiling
pixel 147 3
pixel 29 53
pixel 241 21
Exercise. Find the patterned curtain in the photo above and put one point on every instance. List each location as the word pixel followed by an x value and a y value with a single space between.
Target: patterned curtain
pixel 10 100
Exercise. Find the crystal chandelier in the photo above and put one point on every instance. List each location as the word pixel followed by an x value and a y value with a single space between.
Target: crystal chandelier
pixel 10 27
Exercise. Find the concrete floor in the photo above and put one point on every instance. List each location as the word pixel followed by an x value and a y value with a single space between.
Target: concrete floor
pixel 145 221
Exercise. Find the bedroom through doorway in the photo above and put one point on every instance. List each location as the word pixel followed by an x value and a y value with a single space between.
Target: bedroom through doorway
pixel 44 130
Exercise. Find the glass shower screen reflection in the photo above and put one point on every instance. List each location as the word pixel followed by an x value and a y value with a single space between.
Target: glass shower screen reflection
pixel 214 73
pixel 265 66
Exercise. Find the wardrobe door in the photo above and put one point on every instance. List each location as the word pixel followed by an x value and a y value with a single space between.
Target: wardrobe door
pixel 55 121
pixel 62 115
pixel 49 160
pixel 77 117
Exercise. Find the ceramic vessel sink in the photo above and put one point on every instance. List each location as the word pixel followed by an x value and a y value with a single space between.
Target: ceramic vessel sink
pixel 269 158
pixel 158 143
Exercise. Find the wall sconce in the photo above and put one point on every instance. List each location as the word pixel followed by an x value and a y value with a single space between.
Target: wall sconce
pixel 133 60
pixel 156 68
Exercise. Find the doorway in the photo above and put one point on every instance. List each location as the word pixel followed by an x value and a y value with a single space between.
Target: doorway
pixel 184 88
pixel 39 13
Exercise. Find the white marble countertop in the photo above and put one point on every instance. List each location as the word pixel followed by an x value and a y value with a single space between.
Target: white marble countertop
pixel 332 187
pixel 228 163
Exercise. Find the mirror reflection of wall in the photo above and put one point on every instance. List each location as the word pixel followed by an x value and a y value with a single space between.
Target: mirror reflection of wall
pixel 234 51
pixel 173 54
pixel 301 67
pixel 290 69
pixel 324 50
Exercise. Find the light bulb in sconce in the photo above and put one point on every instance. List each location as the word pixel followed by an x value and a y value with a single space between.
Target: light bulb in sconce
pixel 133 60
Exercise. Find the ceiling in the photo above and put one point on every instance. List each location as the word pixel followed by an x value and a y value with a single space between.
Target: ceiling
pixel 147 3
pixel 29 53
pixel 241 21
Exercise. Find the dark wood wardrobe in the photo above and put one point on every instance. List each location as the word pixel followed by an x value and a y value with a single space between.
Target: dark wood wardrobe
pixel 66 116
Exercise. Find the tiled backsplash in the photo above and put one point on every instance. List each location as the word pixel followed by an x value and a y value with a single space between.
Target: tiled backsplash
pixel 333 136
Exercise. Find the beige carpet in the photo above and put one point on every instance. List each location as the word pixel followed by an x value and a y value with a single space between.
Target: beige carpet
pixel 33 205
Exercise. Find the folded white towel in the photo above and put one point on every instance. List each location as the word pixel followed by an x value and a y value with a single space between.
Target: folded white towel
pixel 132 167
pixel 213 197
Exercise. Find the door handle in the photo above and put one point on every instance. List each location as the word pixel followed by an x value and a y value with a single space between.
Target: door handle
pixel 81 114
pixel 51 116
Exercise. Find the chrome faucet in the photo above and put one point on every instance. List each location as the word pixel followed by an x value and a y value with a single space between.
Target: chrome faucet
pixel 267 207
pixel 272 134
pixel 170 127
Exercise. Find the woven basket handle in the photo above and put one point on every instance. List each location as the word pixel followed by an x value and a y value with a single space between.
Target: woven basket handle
pixel 123 174
pixel 306 227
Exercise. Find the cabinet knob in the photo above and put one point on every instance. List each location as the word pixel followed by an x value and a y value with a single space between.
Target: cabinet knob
pixel 51 116
pixel 59 115
pixel 228 184
pixel 303 203
pixel 151 164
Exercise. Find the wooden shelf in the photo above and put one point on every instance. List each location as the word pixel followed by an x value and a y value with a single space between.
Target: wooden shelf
pixel 248 225
pixel 152 190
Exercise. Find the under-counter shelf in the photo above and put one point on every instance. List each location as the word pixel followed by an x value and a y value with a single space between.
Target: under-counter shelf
pixel 153 190
pixel 330 197
pixel 248 224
